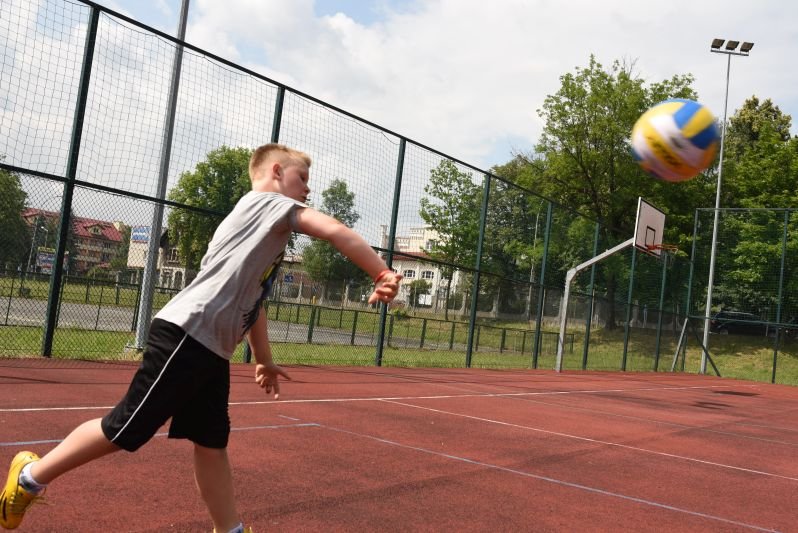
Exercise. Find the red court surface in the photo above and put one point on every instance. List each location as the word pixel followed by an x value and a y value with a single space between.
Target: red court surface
pixel 395 449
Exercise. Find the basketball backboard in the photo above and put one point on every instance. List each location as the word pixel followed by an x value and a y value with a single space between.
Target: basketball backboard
pixel 649 228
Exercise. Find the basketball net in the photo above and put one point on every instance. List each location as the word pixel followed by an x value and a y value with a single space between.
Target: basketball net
pixel 668 249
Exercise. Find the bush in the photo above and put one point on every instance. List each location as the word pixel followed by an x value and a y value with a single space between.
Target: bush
pixel 400 313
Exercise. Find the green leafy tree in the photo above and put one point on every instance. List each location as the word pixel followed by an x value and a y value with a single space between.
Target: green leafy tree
pixel 119 261
pixel 215 184
pixel 750 122
pixel 452 208
pixel 322 261
pixel 418 288
pixel 583 158
pixel 14 234
pixel 761 171
pixel 760 160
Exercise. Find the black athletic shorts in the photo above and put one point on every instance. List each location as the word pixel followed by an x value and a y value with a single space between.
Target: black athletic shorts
pixel 178 378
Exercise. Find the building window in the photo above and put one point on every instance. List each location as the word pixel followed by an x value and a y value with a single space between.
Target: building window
pixel 427 274
pixel 407 274
pixel 172 255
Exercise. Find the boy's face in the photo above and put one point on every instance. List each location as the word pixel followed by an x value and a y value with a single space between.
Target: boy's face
pixel 294 178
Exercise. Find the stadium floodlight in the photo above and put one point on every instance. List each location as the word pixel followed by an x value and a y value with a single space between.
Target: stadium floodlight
pixel 731 45
pixel 729 51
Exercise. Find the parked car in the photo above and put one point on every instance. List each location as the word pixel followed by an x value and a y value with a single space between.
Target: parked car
pixel 737 322
pixel 790 330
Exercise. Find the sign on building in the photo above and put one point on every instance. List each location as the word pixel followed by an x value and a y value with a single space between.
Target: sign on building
pixel 139 243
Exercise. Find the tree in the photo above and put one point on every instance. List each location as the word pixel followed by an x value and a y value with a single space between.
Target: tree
pixel 216 184
pixel 15 238
pixel 583 157
pixel 760 163
pixel 760 171
pixel 322 261
pixel 418 288
pixel 452 209
pixel 119 261
pixel 749 122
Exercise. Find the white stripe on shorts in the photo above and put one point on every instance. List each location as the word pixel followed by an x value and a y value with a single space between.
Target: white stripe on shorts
pixel 151 388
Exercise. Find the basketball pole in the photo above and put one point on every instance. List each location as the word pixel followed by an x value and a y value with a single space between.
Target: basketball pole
pixel 569 277
pixel 649 226
pixel 729 51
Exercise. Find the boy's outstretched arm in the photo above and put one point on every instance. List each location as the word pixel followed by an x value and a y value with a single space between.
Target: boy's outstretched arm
pixel 353 246
pixel 266 372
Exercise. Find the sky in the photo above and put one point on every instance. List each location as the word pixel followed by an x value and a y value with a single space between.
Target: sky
pixel 466 77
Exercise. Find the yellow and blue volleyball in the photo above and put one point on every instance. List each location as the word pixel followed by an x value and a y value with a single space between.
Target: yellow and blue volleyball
pixel 675 140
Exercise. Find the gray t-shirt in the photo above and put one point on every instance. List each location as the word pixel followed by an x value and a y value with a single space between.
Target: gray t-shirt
pixel 236 273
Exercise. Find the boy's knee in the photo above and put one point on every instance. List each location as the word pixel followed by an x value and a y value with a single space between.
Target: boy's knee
pixel 205 451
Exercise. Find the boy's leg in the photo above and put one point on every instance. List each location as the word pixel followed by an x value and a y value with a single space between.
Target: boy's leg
pixel 86 443
pixel 215 483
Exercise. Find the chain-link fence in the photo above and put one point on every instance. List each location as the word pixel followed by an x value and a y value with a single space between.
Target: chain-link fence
pixel 113 177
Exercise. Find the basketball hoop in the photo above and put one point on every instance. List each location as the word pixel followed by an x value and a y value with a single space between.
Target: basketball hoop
pixel 670 248
pixel 666 251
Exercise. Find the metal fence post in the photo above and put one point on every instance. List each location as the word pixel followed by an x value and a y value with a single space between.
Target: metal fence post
pixel 354 329
pixel 278 114
pixel 10 297
pixel 592 292
pixel 69 187
pixel 628 309
pixel 781 294
pixel 311 324
pixel 483 216
pixel 541 288
pixel 397 190
pixel 661 309
pixel 689 296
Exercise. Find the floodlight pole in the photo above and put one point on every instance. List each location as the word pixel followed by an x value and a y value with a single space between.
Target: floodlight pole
pixel 729 51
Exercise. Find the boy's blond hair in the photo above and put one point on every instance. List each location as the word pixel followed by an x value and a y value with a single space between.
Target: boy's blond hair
pixel 279 152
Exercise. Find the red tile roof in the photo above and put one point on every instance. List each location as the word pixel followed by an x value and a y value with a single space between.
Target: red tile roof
pixel 81 226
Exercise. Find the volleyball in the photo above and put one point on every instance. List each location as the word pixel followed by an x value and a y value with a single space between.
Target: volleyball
pixel 675 140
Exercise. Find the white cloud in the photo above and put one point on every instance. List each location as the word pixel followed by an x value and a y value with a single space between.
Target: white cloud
pixel 466 76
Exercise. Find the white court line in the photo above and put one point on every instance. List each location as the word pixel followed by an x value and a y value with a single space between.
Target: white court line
pixel 663 422
pixel 706 429
pixel 595 441
pixel 383 398
pixel 764 426
pixel 247 428
pixel 549 479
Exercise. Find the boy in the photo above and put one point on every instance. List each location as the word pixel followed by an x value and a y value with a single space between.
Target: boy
pixel 185 368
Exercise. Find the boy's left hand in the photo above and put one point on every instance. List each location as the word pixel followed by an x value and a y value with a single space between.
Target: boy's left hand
pixel 386 288
pixel 268 377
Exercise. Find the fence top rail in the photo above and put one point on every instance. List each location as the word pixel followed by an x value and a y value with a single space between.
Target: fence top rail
pixel 751 209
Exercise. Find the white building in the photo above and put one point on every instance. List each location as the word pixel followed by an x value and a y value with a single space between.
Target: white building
pixel 414 263
pixel 171 272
